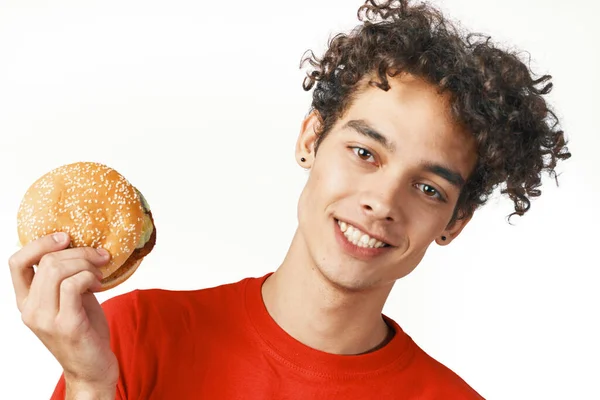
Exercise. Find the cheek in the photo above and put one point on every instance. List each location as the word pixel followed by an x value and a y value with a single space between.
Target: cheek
pixel 424 229
pixel 423 232
pixel 329 181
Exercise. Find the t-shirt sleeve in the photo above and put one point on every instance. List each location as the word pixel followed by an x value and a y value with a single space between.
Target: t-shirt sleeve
pixel 121 313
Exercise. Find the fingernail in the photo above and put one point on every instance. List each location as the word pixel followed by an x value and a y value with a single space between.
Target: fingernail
pixel 59 237
pixel 103 252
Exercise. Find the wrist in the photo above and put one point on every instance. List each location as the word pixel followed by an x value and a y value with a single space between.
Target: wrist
pixel 89 391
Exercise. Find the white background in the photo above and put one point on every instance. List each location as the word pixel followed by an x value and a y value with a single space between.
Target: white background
pixel 198 104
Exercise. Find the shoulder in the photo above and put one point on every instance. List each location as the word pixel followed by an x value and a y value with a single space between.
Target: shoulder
pixel 440 381
pixel 128 309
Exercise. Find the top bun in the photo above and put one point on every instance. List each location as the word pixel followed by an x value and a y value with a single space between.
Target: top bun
pixel 91 202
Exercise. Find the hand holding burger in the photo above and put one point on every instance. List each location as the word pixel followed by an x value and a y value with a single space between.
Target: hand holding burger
pixel 98 208
pixel 87 229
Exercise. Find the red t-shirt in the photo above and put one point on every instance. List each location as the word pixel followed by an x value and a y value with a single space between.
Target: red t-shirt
pixel 221 344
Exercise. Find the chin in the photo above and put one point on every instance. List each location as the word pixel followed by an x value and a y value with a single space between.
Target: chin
pixel 347 280
pixel 347 276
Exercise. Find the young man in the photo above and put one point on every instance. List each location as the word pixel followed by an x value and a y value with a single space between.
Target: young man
pixel 412 126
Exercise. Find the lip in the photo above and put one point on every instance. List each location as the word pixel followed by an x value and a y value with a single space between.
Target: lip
pixel 363 229
pixel 361 253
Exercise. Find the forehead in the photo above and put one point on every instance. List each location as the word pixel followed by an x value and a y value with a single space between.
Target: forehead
pixel 416 119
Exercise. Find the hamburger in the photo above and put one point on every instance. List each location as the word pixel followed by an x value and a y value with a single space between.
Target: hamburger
pixel 97 207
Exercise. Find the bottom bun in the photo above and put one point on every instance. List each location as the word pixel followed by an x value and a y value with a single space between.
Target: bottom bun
pixel 120 275
pixel 133 262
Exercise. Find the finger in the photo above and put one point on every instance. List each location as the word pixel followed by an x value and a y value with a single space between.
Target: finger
pixel 45 288
pixel 71 290
pixel 98 257
pixel 21 263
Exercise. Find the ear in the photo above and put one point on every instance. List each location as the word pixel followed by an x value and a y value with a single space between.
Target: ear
pixel 305 145
pixel 453 230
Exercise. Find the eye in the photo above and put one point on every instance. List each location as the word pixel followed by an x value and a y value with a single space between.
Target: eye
pixel 430 191
pixel 363 154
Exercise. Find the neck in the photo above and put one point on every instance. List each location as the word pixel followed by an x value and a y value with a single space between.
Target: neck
pixel 321 315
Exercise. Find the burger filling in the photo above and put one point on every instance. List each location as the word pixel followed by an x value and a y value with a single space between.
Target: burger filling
pixel 145 244
pixel 148 226
pixel 146 231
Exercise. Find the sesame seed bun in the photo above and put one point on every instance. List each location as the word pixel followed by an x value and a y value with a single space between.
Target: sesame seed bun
pixel 97 207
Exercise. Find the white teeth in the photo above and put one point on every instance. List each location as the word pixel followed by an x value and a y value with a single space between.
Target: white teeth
pixel 358 238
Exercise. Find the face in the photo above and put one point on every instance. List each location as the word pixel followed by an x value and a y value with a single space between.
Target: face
pixel 383 184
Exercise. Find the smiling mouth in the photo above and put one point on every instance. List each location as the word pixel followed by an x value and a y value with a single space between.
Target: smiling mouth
pixel 359 238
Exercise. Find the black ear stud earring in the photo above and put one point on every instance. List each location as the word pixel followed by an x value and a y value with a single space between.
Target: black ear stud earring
pixel 303 159
pixel 444 238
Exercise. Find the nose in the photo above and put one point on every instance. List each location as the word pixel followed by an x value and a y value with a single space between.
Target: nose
pixel 380 205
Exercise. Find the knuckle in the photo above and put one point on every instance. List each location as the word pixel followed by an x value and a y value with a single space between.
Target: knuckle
pixel 43 327
pixel 26 318
pixel 87 277
pixel 29 318
pixel 48 259
pixel 14 263
pixel 69 286
pixel 76 283
pixel 54 268
pixel 85 274
pixel 51 268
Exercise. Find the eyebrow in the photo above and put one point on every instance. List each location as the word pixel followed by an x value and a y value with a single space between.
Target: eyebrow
pixel 362 127
pixel 451 176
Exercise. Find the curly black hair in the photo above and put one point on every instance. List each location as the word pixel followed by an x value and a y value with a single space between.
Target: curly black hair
pixel 493 94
